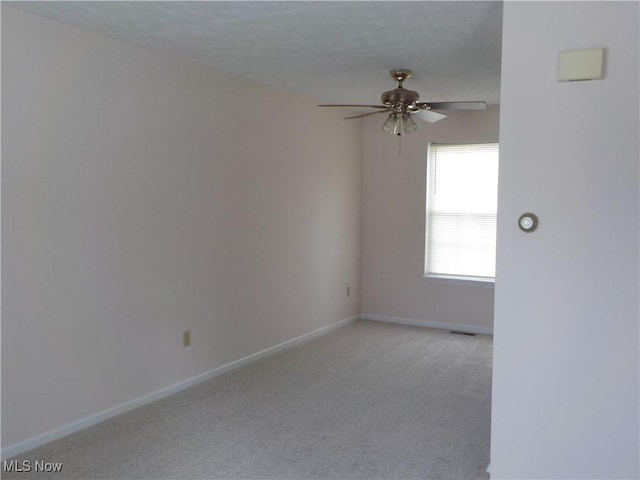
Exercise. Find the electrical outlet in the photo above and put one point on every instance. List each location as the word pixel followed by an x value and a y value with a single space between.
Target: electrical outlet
pixel 348 291
pixel 186 338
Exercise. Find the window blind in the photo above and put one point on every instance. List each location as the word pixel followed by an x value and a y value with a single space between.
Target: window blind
pixel 462 198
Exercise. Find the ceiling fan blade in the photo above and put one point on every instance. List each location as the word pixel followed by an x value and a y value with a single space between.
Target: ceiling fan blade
pixel 367 114
pixel 348 105
pixel 430 116
pixel 458 105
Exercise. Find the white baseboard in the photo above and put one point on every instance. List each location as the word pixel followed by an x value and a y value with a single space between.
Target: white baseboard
pixel 81 424
pixel 425 323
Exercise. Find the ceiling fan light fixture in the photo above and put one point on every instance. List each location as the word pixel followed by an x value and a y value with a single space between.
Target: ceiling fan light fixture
pixel 389 125
pixel 397 128
pixel 409 124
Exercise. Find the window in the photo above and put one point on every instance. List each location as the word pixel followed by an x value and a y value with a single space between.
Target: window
pixel 462 198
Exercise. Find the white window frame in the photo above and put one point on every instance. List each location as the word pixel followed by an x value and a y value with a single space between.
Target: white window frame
pixel 443 277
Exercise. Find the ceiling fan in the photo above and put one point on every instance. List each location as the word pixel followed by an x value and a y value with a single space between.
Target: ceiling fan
pixel 400 104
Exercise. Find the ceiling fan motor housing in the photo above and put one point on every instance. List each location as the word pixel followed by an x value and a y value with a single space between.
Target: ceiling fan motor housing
pixel 399 96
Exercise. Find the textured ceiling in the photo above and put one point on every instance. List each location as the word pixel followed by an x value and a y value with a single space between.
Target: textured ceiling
pixel 335 51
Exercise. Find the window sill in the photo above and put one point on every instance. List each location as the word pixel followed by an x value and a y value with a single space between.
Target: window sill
pixel 460 280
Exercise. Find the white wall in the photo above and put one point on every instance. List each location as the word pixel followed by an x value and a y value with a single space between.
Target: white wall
pixel 566 356
pixel 142 196
pixel 393 226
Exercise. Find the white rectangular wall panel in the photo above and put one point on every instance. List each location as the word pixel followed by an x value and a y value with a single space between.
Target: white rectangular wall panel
pixel 575 65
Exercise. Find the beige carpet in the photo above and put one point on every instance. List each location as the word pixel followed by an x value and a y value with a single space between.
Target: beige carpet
pixel 368 400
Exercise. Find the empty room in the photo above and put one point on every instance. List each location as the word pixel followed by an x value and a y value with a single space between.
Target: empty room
pixel 320 240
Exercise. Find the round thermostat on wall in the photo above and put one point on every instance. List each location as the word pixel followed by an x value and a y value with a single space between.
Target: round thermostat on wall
pixel 528 222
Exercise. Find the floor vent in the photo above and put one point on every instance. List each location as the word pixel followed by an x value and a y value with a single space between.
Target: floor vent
pixel 455 332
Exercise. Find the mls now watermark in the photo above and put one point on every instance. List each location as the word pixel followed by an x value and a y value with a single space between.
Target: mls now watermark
pixel 29 466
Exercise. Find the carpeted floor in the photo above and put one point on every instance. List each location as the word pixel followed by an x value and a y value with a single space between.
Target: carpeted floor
pixel 368 400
